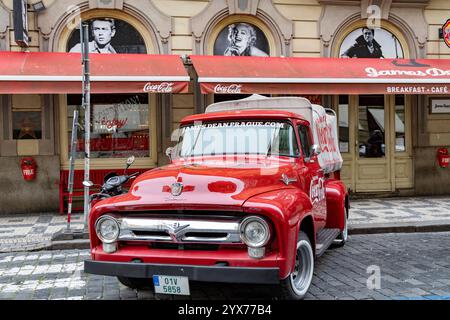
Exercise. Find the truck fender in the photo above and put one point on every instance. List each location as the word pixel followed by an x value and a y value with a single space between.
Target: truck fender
pixel 287 209
pixel 337 203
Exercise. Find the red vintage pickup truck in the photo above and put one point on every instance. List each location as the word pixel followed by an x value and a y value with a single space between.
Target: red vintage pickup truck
pixel 251 195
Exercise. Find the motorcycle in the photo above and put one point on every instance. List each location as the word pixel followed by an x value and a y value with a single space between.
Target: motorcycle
pixel 112 184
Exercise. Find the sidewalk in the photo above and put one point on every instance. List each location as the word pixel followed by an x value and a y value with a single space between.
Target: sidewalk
pixel 412 214
pixel 32 232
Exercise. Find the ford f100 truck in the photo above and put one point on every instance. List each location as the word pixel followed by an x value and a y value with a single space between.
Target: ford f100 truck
pixel 251 195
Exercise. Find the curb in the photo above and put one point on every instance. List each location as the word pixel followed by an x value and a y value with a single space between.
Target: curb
pixel 69 244
pixel 400 227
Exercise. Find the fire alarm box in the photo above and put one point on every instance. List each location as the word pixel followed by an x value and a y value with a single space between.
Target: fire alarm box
pixel 443 157
pixel 28 166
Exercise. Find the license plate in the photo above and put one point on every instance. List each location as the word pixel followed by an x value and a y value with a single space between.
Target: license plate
pixel 171 285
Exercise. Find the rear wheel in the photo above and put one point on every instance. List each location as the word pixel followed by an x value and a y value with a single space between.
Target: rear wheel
pixel 135 283
pixel 296 285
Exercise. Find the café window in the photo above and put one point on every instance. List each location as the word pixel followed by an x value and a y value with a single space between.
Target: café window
pixel 27 117
pixel 27 125
pixel 343 116
pixel 371 126
pixel 120 125
pixel 400 137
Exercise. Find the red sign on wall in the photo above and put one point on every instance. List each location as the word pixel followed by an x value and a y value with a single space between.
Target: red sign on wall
pixel 446 32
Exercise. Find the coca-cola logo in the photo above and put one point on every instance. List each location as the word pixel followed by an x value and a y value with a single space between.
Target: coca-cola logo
pixel 113 123
pixel 164 87
pixel 232 88
pixel 317 189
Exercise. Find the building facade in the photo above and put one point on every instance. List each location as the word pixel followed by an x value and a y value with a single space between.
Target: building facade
pixel 389 142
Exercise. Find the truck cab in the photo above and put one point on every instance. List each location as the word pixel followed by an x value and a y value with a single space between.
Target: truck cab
pixel 251 195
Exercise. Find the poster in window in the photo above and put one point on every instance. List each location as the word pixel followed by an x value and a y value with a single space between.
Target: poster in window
pixel 27 125
pixel 107 35
pixel 241 39
pixel 371 43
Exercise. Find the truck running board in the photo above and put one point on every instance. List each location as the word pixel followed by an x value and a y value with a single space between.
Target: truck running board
pixel 325 238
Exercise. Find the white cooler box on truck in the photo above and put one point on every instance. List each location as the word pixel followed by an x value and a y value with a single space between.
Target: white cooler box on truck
pixel 322 120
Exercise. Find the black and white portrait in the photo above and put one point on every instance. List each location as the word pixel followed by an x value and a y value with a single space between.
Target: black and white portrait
pixel 371 43
pixel 241 39
pixel 109 35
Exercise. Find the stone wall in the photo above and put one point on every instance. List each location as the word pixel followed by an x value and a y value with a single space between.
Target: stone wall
pixel 20 196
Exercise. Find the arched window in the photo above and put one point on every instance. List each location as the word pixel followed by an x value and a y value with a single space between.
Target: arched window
pixel 241 39
pixel 109 35
pixel 366 42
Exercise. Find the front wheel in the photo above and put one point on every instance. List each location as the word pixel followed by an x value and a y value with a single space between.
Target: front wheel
pixel 135 283
pixel 297 284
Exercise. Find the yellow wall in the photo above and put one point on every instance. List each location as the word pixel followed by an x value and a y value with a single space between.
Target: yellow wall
pixel 305 14
pixel 181 11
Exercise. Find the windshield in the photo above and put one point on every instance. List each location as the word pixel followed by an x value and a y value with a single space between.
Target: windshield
pixel 237 138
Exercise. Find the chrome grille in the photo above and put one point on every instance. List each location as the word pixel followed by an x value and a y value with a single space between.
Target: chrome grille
pixel 179 230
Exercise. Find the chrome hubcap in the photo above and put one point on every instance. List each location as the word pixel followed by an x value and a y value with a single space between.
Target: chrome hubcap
pixel 345 231
pixel 302 275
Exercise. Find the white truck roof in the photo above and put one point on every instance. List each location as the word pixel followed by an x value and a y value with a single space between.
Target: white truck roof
pixel 322 120
pixel 296 105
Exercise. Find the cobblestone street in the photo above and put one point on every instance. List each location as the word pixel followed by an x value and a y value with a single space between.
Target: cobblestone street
pixel 412 266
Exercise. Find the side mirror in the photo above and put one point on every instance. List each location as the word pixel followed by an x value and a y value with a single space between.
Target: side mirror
pixel 88 184
pixel 130 161
pixel 169 153
pixel 315 150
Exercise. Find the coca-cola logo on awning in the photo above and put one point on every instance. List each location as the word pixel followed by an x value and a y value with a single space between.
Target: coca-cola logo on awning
pixel 164 87
pixel 232 88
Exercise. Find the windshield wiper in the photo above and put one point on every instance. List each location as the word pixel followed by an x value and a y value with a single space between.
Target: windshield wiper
pixel 272 138
pixel 195 143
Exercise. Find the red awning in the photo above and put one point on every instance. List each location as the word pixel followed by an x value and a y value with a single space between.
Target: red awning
pixel 276 75
pixel 52 72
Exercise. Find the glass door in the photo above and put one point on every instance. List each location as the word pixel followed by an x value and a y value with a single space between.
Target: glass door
pixel 373 150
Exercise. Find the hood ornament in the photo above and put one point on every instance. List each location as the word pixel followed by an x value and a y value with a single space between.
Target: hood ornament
pixel 176 189
pixel 287 180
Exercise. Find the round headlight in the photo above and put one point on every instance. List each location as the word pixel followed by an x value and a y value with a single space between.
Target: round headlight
pixel 255 231
pixel 107 229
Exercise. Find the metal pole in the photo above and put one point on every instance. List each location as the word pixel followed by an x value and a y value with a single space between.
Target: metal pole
pixel 87 114
pixel 73 154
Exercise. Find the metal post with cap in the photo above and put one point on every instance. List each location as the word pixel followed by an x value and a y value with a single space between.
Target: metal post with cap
pixel 68 233
pixel 87 114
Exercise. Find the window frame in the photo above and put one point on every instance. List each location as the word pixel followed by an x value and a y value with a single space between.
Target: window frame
pixel 305 156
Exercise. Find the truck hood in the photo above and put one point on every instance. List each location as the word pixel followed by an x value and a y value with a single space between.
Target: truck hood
pixel 205 184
